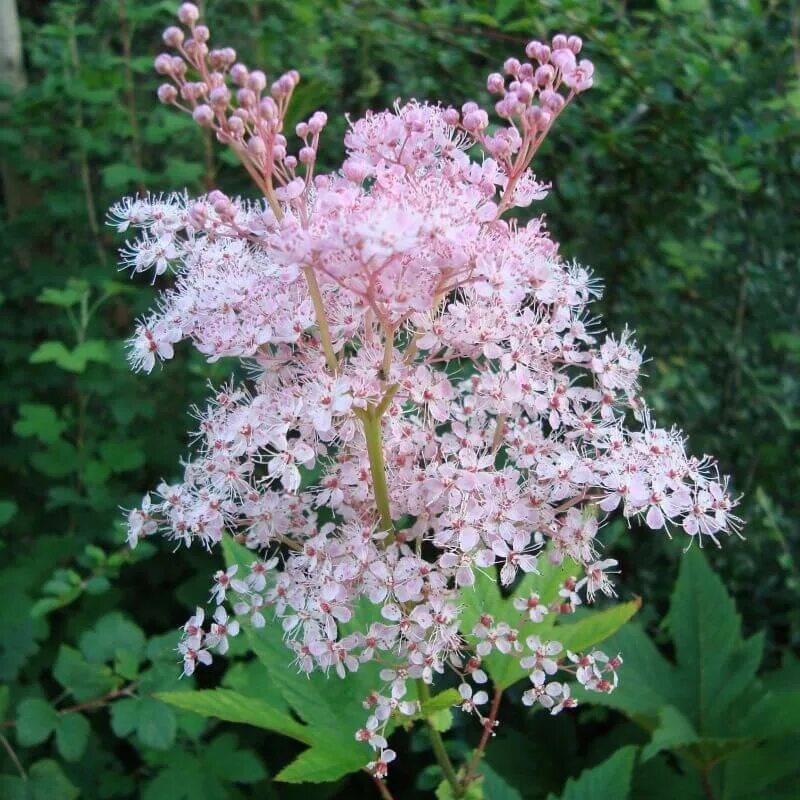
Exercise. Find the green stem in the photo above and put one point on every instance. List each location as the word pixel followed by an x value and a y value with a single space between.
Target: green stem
pixel 372 433
pixel 438 744
pixel 322 319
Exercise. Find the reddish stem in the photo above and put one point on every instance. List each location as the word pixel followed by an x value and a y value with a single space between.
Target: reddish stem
pixel 488 730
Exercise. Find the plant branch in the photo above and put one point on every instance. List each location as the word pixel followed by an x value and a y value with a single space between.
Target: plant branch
pixel 488 727
pixel 13 756
pixel 377 465
pixel 383 789
pixel 437 743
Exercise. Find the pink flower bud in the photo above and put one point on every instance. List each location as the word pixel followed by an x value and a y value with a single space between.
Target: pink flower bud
pixel 219 97
pixel 563 59
pixel 290 162
pixel 198 215
pixel 475 120
pixel 469 106
pixel 301 129
pixel 167 93
pixel 278 152
pixel 203 115
pixel 201 34
pixel 256 146
pixel 319 119
pixel 532 49
pixel 178 66
pixel 559 41
pixel 307 155
pixel 495 83
pixel 295 76
pixel 575 43
pixel 235 126
pixel 268 108
pixel 451 116
pixel 510 66
pixel 246 98
pixel 188 13
pixel 356 169
pixel 239 74
pixel 544 75
pixel 551 100
pixel 163 64
pixel 172 36
pixel 525 93
pixel 257 81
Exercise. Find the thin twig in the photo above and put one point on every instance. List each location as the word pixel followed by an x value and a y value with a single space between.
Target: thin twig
pixel 13 756
pixel 488 729
pixel 383 789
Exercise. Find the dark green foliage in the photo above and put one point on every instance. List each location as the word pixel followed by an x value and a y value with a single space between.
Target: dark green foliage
pixel 675 178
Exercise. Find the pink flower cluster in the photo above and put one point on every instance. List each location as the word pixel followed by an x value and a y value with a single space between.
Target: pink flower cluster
pixel 429 393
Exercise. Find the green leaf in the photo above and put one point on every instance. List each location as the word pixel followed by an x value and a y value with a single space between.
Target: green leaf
pixel 229 763
pixel 68 296
pixel 156 724
pixel 323 762
pixel 125 716
pixel 122 175
pixel 41 421
pixel 112 634
pixel 74 360
pixel 673 731
pixel 72 734
pixel 8 508
pixel 610 779
pixel 595 626
pixel 83 679
pixel 440 702
pixel 707 633
pixel 496 787
pixel 36 720
pixel 45 781
pixel 122 454
pixel 234 707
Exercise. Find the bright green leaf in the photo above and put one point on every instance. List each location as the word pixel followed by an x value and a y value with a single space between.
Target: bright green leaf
pixel 72 734
pixel 36 720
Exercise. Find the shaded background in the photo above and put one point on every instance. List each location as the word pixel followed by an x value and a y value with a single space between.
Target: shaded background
pixel 675 179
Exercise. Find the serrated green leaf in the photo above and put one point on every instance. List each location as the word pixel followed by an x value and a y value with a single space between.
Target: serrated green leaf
pixel 325 761
pixel 36 720
pixel 610 779
pixel 440 702
pixel 83 679
pixel 125 716
pixel 672 732
pixel 707 633
pixel 72 735
pixel 156 724
pixel 230 763
pixel 234 707
pixel 41 421
pixel 111 635
pixel 595 626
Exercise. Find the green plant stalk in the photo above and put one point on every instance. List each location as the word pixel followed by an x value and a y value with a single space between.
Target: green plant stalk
pixel 437 743
pixel 377 466
pixel 322 319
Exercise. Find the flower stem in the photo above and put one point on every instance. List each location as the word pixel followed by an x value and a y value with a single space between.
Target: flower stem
pixel 488 728
pixel 438 744
pixel 372 433
pixel 322 319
